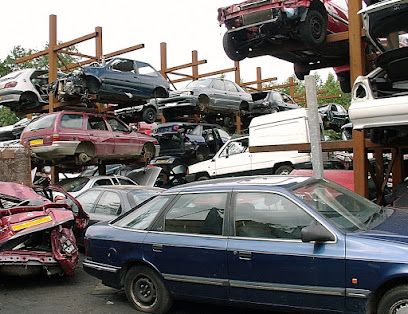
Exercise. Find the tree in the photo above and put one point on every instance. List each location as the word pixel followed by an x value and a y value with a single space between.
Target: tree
pixel 7 117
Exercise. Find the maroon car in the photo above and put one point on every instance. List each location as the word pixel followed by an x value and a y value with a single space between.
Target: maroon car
pixel 36 233
pixel 85 138
pixel 292 30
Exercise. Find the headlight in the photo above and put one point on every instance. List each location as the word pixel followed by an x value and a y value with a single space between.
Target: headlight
pixel 188 93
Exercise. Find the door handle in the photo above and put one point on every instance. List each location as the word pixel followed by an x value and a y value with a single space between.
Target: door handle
pixel 247 256
pixel 157 248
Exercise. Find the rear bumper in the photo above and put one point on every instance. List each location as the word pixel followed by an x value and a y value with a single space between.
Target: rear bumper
pixel 9 97
pixel 56 149
pixel 110 275
pixel 178 101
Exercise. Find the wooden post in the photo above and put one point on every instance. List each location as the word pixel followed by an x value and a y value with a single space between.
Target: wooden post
pixel 52 58
pixel 238 123
pixel 355 46
pixel 360 163
pixel 259 78
pixel 397 169
pixel 194 68
pixel 98 43
pixel 237 73
pixel 292 87
pixel 163 59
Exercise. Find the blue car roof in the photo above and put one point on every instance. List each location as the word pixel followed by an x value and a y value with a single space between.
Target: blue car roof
pixel 240 183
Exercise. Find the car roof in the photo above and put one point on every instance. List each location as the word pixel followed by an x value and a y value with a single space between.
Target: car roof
pixel 261 182
pixel 127 188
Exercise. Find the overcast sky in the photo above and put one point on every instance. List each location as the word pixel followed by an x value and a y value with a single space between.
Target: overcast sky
pixel 185 25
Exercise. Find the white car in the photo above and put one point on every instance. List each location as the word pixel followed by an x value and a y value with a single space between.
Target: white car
pixel 77 185
pixel 380 99
pixel 24 89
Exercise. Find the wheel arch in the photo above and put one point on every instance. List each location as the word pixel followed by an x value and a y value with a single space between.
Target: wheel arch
pixel 135 263
pixel 86 147
pixel 280 164
pixel 244 105
pixel 200 174
pixel 379 292
pixel 160 92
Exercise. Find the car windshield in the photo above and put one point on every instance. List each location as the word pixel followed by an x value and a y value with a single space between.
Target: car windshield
pixel 44 122
pixel 199 83
pixel 73 184
pixel 139 196
pixel 345 209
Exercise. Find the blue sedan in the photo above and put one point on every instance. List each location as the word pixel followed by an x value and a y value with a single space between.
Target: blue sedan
pixel 285 242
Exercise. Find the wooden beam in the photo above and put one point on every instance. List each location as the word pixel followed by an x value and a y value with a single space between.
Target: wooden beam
pixel 122 51
pixel 360 163
pixel 74 41
pixel 98 43
pixel 186 65
pixel 237 74
pixel 78 54
pixel 260 81
pixel 32 56
pixel 184 79
pixel 331 38
pixel 217 72
pixel 258 77
pixel 52 58
pixel 163 59
pixel 355 46
pixel 181 74
pixel 194 67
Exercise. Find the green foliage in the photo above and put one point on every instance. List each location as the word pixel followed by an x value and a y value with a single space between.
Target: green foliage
pixel 7 117
pixel 332 87
pixel 9 63
pixel 333 135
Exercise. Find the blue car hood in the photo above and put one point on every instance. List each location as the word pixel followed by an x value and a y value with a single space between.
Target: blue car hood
pixel 394 228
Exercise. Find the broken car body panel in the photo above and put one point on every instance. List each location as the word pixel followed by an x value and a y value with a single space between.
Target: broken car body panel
pixel 36 235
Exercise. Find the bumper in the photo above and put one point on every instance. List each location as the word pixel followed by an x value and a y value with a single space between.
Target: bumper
pixel 110 275
pixel 10 97
pixel 56 149
pixel 178 101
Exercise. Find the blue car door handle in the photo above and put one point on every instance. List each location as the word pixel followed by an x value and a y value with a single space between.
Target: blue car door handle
pixel 157 248
pixel 244 255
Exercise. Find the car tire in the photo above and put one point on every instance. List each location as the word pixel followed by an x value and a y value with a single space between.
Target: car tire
pixel 283 170
pixel 203 177
pixel 28 101
pixel 148 151
pixel 231 42
pixel 394 299
pixel 149 114
pixel 146 291
pixel 314 28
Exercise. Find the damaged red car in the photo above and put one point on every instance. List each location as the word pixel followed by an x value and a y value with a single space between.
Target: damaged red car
pixel 37 231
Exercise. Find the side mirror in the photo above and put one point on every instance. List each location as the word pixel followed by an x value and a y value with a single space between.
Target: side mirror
pixel 317 233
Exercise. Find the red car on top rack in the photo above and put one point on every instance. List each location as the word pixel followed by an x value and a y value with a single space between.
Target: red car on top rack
pixel 292 30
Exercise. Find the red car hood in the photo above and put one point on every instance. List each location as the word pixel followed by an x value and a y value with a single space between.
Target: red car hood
pixel 19 191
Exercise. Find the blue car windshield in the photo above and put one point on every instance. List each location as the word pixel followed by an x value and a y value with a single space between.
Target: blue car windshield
pixel 345 209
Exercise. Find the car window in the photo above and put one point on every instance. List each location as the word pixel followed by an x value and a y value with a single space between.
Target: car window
pixel 275 96
pixel 72 121
pixel 196 214
pixel 96 123
pixel 88 199
pixel 268 215
pixel 224 135
pixel 230 86
pixel 146 69
pixel 44 122
pixel 235 147
pixel 140 218
pixel 117 126
pixel 74 184
pixel 124 181
pixel 101 182
pixel 203 83
pixel 108 204
pixel 239 88
pixel 218 84
pixel 122 65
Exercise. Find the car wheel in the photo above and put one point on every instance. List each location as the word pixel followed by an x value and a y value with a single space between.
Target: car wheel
pixel 28 101
pixel 394 301
pixel 231 43
pixel 284 170
pixel 149 115
pixel 203 177
pixel 146 291
pixel 314 28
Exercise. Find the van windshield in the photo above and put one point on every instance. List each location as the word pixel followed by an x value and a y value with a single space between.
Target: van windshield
pixel 44 122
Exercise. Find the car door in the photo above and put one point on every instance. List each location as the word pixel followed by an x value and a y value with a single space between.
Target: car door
pixel 147 79
pixel 234 158
pixel 120 78
pixel 188 247
pixel 107 207
pixel 233 96
pixel 127 143
pixel 268 262
pixel 219 95
pixel 100 136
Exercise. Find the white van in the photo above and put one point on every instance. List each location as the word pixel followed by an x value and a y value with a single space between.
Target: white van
pixel 234 158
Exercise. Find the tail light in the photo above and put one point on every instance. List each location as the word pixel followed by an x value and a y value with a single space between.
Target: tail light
pixel 55 137
pixel 10 84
